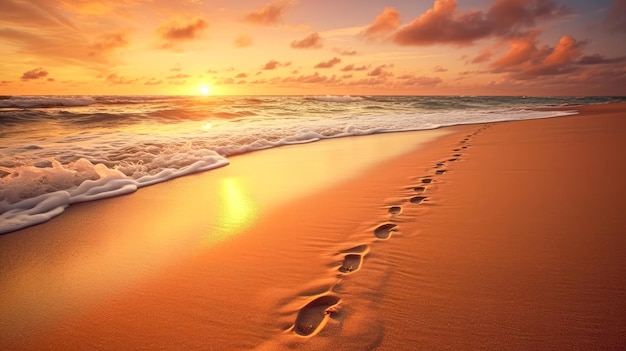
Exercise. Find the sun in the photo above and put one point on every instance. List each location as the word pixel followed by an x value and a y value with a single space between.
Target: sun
pixel 204 90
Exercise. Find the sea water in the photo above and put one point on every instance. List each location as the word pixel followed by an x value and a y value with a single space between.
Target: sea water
pixel 59 150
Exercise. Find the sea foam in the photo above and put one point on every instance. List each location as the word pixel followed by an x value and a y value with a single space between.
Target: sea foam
pixel 91 148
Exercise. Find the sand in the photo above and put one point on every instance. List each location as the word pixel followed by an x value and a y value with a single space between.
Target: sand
pixel 499 236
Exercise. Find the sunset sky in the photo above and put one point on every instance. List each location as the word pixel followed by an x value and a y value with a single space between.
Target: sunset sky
pixel 342 47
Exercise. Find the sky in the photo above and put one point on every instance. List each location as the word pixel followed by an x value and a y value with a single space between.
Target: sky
pixel 313 47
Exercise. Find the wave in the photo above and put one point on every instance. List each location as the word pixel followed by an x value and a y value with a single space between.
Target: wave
pixel 333 98
pixel 39 178
pixel 46 101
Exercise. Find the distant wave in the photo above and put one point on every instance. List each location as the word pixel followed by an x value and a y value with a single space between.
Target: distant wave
pixel 333 98
pixel 47 101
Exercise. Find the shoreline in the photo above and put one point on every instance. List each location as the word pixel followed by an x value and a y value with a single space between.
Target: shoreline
pixel 419 283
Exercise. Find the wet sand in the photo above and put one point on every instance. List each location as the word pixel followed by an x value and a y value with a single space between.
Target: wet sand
pixel 498 236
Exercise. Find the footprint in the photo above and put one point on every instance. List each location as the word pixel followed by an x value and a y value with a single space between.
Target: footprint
pixel 440 171
pixel 384 231
pixel 419 189
pixel 395 210
pixel 312 317
pixel 417 199
pixel 457 155
pixel 439 165
pixel 351 263
pixel 453 159
pixel 427 180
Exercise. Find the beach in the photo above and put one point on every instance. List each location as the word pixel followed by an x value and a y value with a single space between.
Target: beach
pixel 492 236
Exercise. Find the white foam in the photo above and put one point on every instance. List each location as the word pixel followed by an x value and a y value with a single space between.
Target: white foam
pixel 124 161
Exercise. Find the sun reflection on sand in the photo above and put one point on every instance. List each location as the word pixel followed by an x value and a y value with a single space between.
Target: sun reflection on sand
pixel 237 212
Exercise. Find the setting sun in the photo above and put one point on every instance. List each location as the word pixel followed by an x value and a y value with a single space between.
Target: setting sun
pixel 204 90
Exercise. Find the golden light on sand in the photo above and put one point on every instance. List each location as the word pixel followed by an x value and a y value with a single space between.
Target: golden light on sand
pixel 238 210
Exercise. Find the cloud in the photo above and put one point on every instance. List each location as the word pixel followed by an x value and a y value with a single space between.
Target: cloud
pixel 386 23
pixel 483 56
pixel 597 59
pixel 351 67
pixel 445 24
pixel 243 41
pixel 241 75
pixel 108 42
pixel 115 79
pixel 328 64
pixel 36 73
pixel 315 78
pixel 616 16
pixel 439 69
pixel 411 80
pixel 273 64
pixel 344 52
pixel 311 41
pixel 177 30
pixel 153 81
pixel 380 71
pixel 269 14
pixel 524 60
pixel 179 76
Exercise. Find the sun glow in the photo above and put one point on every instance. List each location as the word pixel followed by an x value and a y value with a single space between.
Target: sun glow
pixel 204 90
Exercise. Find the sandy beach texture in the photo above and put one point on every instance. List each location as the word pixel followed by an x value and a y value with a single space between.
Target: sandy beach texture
pixel 507 236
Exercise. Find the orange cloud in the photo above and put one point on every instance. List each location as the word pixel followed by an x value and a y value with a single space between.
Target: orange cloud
pixel 328 64
pixel 178 30
pixel 109 42
pixel 36 73
pixel 243 41
pixel 269 14
pixel 273 64
pixel 445 24
pixel 343 52
pixel 386 23
pixel 311 41
pixel 484 56
pixel 349 68
pixel 380 71
pixel 113 78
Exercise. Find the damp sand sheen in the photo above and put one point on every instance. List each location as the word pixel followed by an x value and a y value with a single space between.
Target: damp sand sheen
pixel 468 237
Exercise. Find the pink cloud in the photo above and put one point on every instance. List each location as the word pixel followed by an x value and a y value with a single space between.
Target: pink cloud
pixel 386 23
pixel 440 69
pixel 445 24
pixel 616 16
pixel 36 73
pixel 311 41
pixel 269 14
pixel 524 60
pixel 328 64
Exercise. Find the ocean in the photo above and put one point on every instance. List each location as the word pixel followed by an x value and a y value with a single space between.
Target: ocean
pixel 60 150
